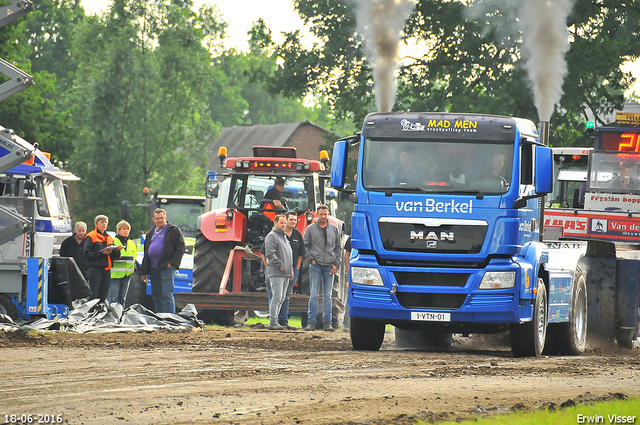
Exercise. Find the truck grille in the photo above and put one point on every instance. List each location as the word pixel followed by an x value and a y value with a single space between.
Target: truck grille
pixel 437 301
pixel 417 237
pixel 432 278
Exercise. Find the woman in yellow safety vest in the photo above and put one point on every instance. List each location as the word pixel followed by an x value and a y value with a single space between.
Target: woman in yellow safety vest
pixel 123 267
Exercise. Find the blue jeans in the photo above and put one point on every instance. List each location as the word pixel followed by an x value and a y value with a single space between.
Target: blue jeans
pixel 320 275
pixel 277 297
pixel 118 289
pixel 283 317
pixel 162 289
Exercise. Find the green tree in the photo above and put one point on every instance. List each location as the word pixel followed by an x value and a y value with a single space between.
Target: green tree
pixel 241 94
pixel 140 103
pixel 50 31
pixel 32 113
pixel 473 65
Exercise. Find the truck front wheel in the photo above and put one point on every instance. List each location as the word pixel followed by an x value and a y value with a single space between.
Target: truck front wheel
pixel 366 334
pixel 528 339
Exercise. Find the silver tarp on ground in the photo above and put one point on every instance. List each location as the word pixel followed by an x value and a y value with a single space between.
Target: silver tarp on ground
pixel 99 317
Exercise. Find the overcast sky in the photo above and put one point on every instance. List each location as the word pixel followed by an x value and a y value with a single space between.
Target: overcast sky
pixel 240 15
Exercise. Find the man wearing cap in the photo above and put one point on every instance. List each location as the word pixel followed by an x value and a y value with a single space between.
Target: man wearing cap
pixel 274 194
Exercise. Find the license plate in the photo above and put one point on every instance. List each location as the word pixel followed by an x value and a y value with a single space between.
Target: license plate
pixel 431 317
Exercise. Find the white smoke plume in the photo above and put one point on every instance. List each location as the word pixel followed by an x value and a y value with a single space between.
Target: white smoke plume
pixel 380 22
pixel 545 40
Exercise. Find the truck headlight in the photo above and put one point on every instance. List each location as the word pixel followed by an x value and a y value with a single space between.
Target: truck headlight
pixel 366 276
pixel 498 280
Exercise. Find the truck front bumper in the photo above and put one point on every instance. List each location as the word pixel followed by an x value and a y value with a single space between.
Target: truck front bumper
pixel 454 292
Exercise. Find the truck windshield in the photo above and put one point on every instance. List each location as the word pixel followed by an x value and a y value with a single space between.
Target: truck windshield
pixel 614 172
pixel 437 166
pixel 53 201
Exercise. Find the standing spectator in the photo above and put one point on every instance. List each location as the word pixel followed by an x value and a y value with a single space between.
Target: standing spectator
pixel 122 268
pixel 297 248
pixel 279 267
pixel 323 250
pixel 100 258
pixel 72 247
pixel 163 250
pixel 347 256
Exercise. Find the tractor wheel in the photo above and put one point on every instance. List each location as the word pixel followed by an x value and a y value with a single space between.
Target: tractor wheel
pixel 528 339
pixel 209 261
pixel 7 307
pixel 366 334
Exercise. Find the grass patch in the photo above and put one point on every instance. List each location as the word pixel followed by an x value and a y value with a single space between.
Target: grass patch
pixel 601 412
pixel 293 321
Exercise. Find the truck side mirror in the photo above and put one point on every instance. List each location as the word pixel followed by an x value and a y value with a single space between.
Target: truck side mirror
pixel 124 206
pixel 543 174
pixel 339 163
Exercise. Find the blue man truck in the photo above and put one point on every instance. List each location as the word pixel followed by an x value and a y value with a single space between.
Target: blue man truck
pixel 446 233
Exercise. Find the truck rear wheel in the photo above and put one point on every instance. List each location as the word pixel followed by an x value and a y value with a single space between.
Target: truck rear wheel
pixel 366 334
pixel 528 339
pixel 7 307
pixel 571 338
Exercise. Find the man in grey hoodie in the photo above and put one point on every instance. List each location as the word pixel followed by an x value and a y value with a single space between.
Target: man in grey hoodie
pixel 323 251
pixel 279 267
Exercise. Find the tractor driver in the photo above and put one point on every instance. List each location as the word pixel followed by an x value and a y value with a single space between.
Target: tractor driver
pixel 274 195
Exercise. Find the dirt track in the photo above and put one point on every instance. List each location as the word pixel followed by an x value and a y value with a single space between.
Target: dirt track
pixel 259 376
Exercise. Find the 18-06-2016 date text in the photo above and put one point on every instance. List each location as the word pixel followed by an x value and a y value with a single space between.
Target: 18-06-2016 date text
pixel 32 418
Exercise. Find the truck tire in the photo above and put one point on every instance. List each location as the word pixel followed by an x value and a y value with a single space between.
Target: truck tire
pixel 627 297
pixel 7 307
pixel 571 338
pixel 366 334
pixel 423 339
pixel 528 339
pixel 209 261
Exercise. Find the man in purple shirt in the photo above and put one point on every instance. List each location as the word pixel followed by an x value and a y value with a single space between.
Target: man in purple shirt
pixel 163 250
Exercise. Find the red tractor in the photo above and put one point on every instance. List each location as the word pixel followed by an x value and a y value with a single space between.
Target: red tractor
pixel 228 274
